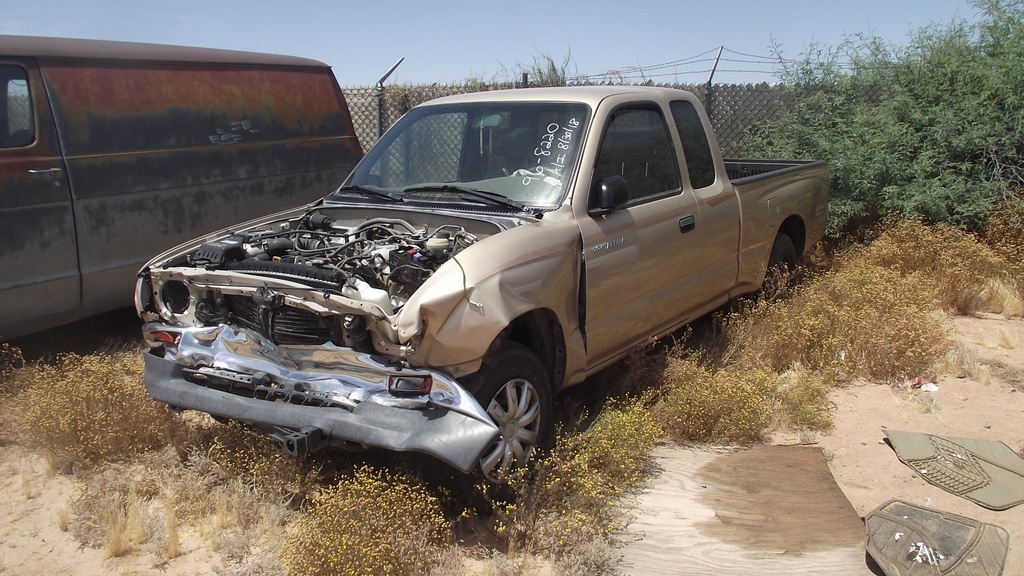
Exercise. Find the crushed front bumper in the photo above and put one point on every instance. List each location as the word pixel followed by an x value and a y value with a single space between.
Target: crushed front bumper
pixel 308 395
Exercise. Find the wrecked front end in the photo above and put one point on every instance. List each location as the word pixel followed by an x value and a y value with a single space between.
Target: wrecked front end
pixel 292 326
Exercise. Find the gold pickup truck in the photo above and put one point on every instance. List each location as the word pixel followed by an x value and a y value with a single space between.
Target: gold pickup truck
pixel 489 251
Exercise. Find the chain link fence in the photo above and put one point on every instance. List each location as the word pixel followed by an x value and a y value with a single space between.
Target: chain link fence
pixel 732 108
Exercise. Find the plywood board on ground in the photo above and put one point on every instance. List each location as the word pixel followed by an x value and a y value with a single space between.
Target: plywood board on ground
pixel 767 510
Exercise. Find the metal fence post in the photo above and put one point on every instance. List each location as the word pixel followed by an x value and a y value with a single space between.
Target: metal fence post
pixel 380 97
pixel 708 90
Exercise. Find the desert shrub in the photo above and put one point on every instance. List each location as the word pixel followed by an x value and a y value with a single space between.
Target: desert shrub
pixel 235 451
pixel 372 522
pixel 701 404
pixel 10 362
pixel 931 129
pixel 861 320
pixel 91 409
pixel 124 506
pixel 112 510
pixel 954 263
pixel 570 498
pixel 1004 233
pixel 801 400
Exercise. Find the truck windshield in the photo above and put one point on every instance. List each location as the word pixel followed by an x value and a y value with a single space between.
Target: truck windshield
pixel 523 151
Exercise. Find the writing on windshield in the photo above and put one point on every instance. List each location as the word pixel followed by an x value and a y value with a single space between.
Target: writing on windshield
pixel 554 151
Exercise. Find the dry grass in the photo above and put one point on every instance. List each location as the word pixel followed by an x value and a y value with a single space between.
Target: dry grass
pixel 877 314
pixel 860 321
pixel 1004 233
pixel 950 263
pixel 140 505
pixel 571 497
pixel 11 363
pixel 92 409
pixel 234 451
pixel 704 405
pixel 373 522
pixel 147 475
pixel 172 541
pixel 801 400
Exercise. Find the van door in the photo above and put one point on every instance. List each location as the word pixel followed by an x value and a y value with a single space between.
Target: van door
pixel 39 275
pixel 642 261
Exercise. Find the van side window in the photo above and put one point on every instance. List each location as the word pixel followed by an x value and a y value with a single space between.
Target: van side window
pixel 700 164
pixel 16 126
pixel 636 146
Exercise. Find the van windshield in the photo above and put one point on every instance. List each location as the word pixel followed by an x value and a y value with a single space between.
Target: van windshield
pixel 524 151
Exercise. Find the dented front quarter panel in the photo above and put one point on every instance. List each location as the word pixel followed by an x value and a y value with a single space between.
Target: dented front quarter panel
pixel 457 314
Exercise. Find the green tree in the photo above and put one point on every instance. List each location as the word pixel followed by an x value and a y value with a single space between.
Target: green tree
pixel 931 130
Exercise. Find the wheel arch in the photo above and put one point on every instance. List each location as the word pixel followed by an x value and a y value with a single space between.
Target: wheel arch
pixel 540 332
pixel 795 228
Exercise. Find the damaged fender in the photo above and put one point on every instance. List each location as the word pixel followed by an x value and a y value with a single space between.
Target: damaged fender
pixel 461 309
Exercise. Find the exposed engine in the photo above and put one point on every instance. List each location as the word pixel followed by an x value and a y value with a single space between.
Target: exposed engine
pixel 379 261
pixel 387 254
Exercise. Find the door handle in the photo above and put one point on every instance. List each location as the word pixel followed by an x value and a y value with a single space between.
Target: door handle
pixel 687 223
pixel 46 173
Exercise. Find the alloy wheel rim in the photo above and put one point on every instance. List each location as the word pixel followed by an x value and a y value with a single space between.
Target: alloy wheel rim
pixel 515 410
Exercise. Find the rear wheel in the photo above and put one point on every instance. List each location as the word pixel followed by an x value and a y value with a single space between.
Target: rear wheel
pixel 782 264
pixel 514 390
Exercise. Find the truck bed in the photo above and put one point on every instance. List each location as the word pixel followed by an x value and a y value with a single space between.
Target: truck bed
pixel 746 170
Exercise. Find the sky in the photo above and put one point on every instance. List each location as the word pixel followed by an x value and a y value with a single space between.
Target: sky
pixel 455 41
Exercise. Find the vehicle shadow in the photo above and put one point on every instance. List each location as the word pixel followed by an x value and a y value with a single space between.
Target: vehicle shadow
pixel 109 332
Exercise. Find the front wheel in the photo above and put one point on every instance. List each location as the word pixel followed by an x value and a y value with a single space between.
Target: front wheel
pixel 514 390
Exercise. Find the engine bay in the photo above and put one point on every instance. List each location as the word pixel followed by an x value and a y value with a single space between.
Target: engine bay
pixel 378 263
pixel 382 260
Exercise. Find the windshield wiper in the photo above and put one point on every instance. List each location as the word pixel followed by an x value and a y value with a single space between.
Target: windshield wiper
pixel 492 197
pixel 368 191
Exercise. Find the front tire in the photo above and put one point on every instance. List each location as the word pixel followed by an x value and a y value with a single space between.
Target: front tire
pixel 514 390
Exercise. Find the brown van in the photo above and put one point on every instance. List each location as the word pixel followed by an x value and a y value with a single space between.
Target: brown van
pixel 111 152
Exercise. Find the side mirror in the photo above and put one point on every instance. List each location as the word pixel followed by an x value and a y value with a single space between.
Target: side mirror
pixel 610 195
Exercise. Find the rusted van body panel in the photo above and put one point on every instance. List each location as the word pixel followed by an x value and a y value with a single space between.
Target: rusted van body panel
pixel 148 146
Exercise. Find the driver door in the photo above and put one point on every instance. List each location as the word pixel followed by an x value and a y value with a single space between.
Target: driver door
pixel 642 261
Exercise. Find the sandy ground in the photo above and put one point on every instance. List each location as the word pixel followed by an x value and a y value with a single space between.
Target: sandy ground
pixel 716 513
pixel 867 469
pixel 678 527
pixel 33 542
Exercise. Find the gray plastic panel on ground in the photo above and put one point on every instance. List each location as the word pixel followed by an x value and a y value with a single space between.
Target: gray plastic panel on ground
pixel 985 472
pixel 909 540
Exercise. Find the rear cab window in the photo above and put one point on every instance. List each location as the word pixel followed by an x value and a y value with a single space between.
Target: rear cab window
pixel 700 163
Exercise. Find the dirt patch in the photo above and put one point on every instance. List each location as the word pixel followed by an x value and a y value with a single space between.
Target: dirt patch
pixel 981 406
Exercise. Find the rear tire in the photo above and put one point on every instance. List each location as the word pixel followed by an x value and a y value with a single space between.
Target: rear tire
pixel 782 264
pixel 513 388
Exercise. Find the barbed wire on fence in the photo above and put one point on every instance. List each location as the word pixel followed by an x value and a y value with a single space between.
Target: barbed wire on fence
pixel 702 64
pixel 733 108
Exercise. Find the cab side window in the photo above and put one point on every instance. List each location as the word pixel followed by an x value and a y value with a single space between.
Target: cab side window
pixel 636 146
pixel 16 126
pixel 700 164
